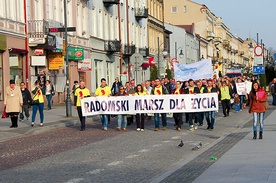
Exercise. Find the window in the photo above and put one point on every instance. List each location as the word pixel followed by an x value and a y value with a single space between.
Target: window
pixel 185 9
pixel 174 9
pixel 16 69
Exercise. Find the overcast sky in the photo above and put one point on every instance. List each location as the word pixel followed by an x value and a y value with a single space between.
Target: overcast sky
pixel 246 18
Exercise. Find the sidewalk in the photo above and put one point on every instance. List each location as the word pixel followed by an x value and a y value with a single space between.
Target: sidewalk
pixel 248 161
pixel 54 118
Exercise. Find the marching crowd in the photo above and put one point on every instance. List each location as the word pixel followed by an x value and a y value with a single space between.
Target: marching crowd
pixel 225 87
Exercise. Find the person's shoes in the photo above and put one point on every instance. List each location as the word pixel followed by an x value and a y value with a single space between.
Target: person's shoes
pixel 224 115
pixel 195 126
pixel 27 119
pixel 142 130
pixel 200 125
pixel 261 135
pixel 105 129
pixel 178 129
pixel 138 129
pixel 20 120
pixel 124 129
pixel 164 128
pixel 192 129
pixel 32 124
pixel 82 129
pixel 208 127
pixel 156 129
pixel 255 135
pixel 12 126
pixel 41 124
pixel 118 128
pixel 211 129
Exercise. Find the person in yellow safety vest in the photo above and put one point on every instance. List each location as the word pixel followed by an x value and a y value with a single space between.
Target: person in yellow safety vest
pixel 225 92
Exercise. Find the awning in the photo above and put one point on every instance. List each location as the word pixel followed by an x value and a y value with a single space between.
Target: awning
pixel 17 50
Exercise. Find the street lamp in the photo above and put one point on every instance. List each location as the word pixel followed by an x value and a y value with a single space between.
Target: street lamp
pixel 181 55
pixel 164 52
pixel 251 48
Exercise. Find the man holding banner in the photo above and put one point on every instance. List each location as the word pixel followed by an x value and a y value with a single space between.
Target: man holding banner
pixel 103 90
pixel 159 90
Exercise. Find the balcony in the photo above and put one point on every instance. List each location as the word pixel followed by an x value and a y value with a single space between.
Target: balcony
pixel 144 52
pixel 141 13
pixel 112 46
pixel 111 2
pixel 129 50
pixel 38 28
pixel 210 35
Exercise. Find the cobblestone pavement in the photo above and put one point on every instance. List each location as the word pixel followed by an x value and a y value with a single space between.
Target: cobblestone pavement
pixel 68 155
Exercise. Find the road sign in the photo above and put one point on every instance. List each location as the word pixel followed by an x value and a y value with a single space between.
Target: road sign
pixel 62 29
pixel 258 70
pixel 258 50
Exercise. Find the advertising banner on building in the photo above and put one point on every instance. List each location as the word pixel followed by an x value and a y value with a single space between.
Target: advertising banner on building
pixel 150 104
pixel 199 70
pixel 3 42
pixel 84 65
pixel 56 61
pixel 75 53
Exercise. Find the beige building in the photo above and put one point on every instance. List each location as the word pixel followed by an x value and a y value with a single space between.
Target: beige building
pixel 155 26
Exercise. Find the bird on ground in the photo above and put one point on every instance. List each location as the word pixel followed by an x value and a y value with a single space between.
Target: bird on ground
pixel 181 144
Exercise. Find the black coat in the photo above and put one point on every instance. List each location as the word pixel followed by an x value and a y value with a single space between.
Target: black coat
pixel 26 95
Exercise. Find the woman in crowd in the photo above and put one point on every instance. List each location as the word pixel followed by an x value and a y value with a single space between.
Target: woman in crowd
pixel 50 92
pixel 140 118
pixel 13 102
pixel 178 116
pixel 122 118
pixel 38 92
pixel 257 107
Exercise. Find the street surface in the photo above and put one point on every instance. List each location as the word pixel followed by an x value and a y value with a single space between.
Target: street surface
pixel 59 152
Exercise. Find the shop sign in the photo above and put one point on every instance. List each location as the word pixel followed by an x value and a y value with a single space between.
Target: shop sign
pixel 38 51
pixel 84 65
pixel 38 60
pixel 3 42
pixel 59 44
pixel 75 53
pixel 56 60
pixel 38 40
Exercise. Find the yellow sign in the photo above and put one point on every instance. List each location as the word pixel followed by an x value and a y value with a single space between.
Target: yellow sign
pixel 56 60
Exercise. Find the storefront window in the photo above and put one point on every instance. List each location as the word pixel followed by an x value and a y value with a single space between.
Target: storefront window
pixel 1 78
pixel 16 69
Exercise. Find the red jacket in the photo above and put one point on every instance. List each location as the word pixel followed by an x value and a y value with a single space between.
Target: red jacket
pixel 257 105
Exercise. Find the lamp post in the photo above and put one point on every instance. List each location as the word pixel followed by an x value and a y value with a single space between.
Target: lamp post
pixel 158 56
pixel 68 100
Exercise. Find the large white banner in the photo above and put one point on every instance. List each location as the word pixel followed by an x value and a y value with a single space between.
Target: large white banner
pixel 198 70
pixel 150 104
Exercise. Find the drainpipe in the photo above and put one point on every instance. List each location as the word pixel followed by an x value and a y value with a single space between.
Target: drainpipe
pixel 26 44
pixel 127 24
pixel 120 38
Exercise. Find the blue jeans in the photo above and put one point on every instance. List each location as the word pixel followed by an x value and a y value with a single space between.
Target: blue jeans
pixel 273 99
pixel 237 106
pixel 157 120
pixel 258 117
pixel 241 100
pixel 212 122
pixel 49 99
pixel 39 107
pixel 104 120
pixel 122 121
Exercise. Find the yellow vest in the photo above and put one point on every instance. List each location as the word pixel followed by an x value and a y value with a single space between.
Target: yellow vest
pixel 225 93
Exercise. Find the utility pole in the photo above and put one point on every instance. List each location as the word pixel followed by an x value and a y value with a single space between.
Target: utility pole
pixel 68 100
pixel 158 59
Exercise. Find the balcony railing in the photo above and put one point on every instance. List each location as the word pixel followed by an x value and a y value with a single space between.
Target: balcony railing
pixel 112 46
pixel 110 2
pixel 38 28
pixel 144 52
pixel 129 50
pixel 141 13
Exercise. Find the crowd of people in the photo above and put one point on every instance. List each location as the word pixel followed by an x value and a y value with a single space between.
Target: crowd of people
pixel 225 88
pixel 17 101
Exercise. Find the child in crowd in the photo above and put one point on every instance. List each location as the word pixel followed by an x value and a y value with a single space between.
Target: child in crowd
pixel 237 102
